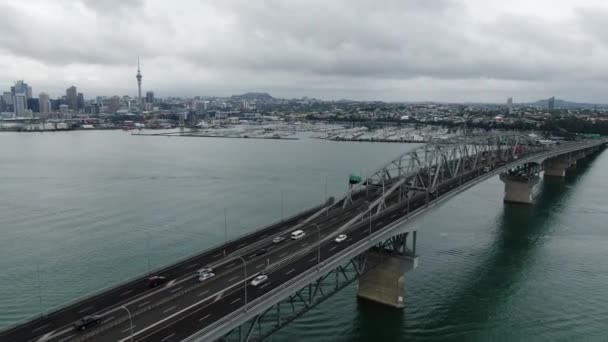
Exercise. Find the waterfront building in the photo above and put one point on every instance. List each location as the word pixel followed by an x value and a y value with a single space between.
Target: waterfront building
pixel 20 103
pixel 71 96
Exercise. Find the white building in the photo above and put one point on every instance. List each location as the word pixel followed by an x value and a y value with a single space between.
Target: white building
pixel 20 103
pixel 44 103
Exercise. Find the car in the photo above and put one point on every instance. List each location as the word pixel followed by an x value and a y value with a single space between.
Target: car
pixel 154 281
pixel 340 238
pixel 204 270
pixel 486 169
pixel 205 276
pixel 298 234
pixel 260 279
pixel 278 239
pixel 87 321
pixel 261 251
pixel 500 163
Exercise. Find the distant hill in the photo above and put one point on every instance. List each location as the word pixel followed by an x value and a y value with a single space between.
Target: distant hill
pixel 568 104
pixel 254 96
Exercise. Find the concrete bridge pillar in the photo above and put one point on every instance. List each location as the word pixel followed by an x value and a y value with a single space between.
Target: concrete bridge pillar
pixel 556 167
pixel 385 283
pixel 518 189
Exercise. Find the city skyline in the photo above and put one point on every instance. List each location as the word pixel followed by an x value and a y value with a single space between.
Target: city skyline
pixel 446 51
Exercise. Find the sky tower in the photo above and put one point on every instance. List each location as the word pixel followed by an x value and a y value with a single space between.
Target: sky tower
pixel 138 76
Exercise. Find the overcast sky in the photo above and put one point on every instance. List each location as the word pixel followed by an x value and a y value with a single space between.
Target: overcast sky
pixel 391 50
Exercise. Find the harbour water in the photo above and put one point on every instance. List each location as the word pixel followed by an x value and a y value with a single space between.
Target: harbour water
pixel 86 209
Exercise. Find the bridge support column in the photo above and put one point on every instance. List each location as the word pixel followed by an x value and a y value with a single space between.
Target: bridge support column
pixel 385 283
pixel 518 189
pixel 556 167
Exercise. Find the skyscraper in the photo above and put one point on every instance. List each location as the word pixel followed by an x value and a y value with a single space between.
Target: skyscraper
pixel 45 103
pixel 510 104
pixel 138 76
pixel 71 96
pixel 20 103
pixel 149 97
pixel 28 92
pixel 551 102
pixel 80 101
pixel 20 88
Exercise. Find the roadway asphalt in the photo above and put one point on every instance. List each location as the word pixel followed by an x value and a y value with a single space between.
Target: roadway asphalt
pixel 31 331
pixel 58 328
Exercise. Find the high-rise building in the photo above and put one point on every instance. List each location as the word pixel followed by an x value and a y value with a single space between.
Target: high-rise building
pixel 114 104
pixel 28 92
pixel 71 96
pixel 20 87
pixel 7 102
pixel 80 101
pixel 510 104
pixel 33 105
pixel 551 102
pixel 149 97
pixel 138 76
pixel 44 102
pixel 20 103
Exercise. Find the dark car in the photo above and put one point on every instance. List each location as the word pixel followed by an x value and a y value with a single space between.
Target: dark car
pixel 155 281
pixel 261 251
pixel 87 321
pixel 500 163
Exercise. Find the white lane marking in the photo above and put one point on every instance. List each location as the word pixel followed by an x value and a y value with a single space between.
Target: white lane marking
pixel 169 309
pixel 235 301
pixel 252 255
pixel 304 244
pixel 126 293
pixel 192 266
pixel 263 236
pixel 65 339
pixel 218 255
pixel 288 272
pixel 170 283
pixel 334 247
pixel 176 289
pixel 313 259
pixel 143 304
pixel 129 329
pixel 282 255
pixel 85 309
pixel 107 319
pixel 229 266
pixel 206 316
pixel 260 266
pixel 203 293
pixel 233 279
pixel 42 327
pixel 45 336
pixel 219 296
pixel 241 245
pixel 263 285
pixel 168 337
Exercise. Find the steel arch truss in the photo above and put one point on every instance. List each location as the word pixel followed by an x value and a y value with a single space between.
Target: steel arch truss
pixel 422 170
pixel 297 304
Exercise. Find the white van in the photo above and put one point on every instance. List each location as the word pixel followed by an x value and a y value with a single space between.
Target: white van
pixel 297 234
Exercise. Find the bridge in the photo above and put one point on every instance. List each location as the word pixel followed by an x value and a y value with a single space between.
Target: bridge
pixel 378 250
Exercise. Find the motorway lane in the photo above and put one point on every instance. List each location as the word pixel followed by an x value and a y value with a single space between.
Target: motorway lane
pixel 32 331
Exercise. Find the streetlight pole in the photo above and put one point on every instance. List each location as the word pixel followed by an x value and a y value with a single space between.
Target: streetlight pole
pixel 130 320
pixel 225 231
pixel 318 244
pixel 282 207
pixel 245 278
pixel 370 219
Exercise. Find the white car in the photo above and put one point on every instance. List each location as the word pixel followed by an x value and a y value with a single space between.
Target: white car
pixel 340 238
pixel 298 234
pixel 205 276
pixel 278 239
pixel 262 278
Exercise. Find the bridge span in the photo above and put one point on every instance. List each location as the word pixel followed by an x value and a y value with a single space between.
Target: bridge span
pixel 377 250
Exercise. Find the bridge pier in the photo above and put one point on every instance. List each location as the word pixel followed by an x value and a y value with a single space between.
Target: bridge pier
pixel 556 167
pixel 518 189
pixel 385 283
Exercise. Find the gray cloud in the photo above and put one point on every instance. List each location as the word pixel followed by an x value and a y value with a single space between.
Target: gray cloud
pixel 392 50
